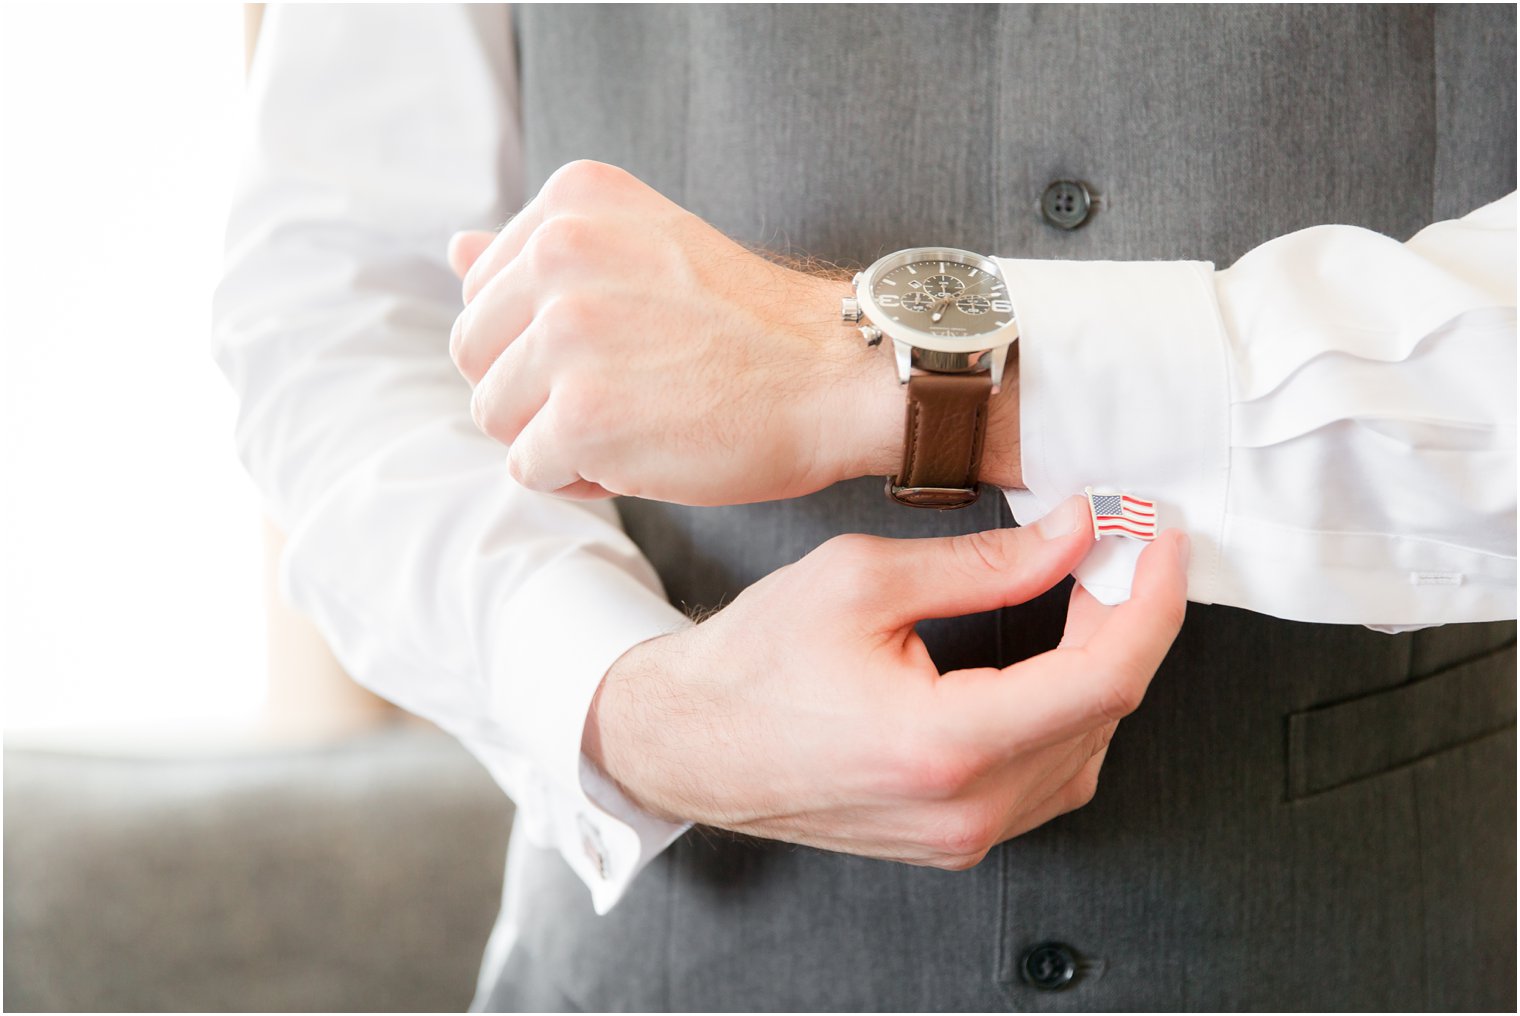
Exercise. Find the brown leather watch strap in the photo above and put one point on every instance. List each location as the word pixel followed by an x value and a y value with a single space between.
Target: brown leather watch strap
pixel 942 443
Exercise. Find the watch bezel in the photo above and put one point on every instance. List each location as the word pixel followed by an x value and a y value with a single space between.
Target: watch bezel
pixel 899 332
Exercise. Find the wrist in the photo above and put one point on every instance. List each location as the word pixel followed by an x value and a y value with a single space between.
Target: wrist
pixel 613 740
pixel 867 410
pixel 1001 451
pixel 855 401
pixel 860 422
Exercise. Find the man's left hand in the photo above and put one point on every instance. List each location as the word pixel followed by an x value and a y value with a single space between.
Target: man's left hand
pixel 621 345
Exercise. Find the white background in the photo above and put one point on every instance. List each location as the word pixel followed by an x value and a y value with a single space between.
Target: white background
pixel 130 551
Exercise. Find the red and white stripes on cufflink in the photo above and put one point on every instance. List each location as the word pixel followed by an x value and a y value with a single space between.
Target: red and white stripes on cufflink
pixel 1115 514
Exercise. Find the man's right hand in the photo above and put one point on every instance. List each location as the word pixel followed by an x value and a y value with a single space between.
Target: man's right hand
pixel 809 711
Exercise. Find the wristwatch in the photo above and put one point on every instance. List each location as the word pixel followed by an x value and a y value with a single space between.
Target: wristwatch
pixel 951 325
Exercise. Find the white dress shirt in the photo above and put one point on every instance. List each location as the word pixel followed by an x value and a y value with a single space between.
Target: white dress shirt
pixel 1332 419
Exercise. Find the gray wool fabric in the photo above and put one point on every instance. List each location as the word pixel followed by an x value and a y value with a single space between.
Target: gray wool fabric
pixel 1300 816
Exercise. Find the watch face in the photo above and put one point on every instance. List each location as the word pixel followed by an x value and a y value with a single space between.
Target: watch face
pixel 940 292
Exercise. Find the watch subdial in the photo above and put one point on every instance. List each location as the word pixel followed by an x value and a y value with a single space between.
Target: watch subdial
pixel 973 305
pixel 940 286
pixel 917 302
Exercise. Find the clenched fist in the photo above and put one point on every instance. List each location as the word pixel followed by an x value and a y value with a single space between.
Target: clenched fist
pixel 620 345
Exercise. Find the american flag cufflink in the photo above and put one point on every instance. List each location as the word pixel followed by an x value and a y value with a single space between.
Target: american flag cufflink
pixel 1121 515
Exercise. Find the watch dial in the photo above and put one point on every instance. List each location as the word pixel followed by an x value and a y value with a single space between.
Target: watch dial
pixel 944 297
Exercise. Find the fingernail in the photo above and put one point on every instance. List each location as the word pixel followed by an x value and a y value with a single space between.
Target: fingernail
pixel 1184 550
pixel 1064 519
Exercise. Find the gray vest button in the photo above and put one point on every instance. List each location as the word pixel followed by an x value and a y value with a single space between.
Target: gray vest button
pixel 1049 966
pixel 1066 204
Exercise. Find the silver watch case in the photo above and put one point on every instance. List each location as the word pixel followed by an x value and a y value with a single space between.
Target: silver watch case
pixel 937 354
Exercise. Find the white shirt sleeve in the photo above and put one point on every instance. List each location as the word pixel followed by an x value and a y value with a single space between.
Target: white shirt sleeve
pixel 1332 419
pixel 440 583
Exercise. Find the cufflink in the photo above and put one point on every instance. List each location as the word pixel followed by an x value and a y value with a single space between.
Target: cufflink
pixel 591 846
pixel 1116 514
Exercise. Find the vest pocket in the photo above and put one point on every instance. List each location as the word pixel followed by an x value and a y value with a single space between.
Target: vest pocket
pixel 1332 745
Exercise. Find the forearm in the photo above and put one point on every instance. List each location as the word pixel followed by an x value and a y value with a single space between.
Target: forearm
pixel 492 610
pixel 1332 418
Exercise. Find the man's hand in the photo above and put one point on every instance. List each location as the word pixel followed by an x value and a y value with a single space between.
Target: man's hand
pixel 621 345
pixel 809 711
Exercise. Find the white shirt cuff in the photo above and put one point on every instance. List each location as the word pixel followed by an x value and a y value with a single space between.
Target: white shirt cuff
pixel 1124 386
pixel 559 661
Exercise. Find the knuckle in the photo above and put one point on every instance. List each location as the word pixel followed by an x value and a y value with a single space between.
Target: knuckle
pixel 848 551
pixel 848 568
pixel 470 359
pixel 964 862
pixel 576 180
pixel 475 279
pixel 524 468
pixel 489 420
pixel 1102 738
pixel 481 408
pixel 1173 614
pixel 562 240
pixel 1084 788
pixel 964 836
pixel 1165 613
pixel 1076 795
pixel 846 544
pixel 570 317
pixel 988 550
pixel 480 411
pixel 456 337
pixel 931 769
pixel 517 466
pixel 1123 692
pixel 578 415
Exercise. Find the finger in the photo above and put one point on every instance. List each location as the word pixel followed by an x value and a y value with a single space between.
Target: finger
pixel 1068 690
pixel 1030 777
pixel 1137 634
pixel 503 249
pixel 584 490
pixel 537 458
pixel 511 393
pixel 1075 793
pixel 957 575
pixel 1084 613
pixel 1033 788
pixel 487 326
pixel 465 247
pixel 578 187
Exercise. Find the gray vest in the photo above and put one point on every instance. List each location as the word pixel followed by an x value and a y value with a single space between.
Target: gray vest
pixel 1300 816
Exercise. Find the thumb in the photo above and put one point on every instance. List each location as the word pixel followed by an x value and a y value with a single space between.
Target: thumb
pixel 956 575
pixel 466 246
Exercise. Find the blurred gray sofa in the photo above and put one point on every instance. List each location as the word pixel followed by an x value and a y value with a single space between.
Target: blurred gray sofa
pixel 359 876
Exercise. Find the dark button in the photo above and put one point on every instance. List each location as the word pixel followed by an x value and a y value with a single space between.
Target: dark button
pixel 1066 204
pixel 1049 966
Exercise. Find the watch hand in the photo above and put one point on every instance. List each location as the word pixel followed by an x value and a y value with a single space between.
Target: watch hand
pixel 986 278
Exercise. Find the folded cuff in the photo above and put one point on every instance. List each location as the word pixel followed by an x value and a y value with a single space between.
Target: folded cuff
pixel 1124 386
pixel 560 660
